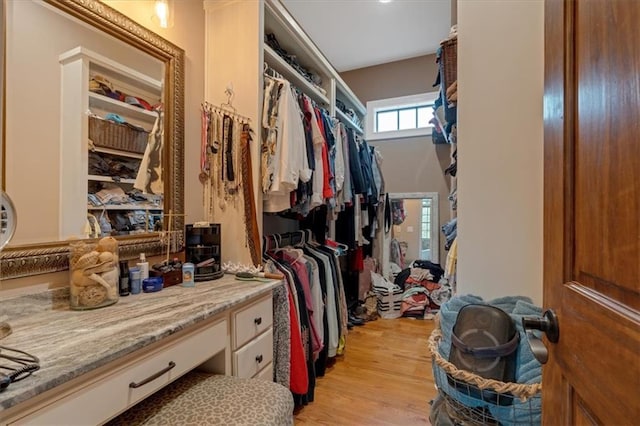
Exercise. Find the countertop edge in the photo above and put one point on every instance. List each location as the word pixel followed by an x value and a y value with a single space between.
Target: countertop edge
pixel 203 312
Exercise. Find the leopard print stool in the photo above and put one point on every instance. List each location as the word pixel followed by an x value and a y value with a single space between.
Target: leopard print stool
pixel 206 399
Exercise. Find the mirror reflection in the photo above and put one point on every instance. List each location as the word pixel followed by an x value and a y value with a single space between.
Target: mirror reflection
pixel 414 233
pixel 84 129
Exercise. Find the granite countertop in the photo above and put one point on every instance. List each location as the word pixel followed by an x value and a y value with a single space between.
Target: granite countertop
pixel 70 343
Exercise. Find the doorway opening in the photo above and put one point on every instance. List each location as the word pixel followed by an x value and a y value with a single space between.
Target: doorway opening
pixel 415 227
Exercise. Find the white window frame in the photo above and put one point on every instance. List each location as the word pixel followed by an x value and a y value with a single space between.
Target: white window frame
pixel 393 103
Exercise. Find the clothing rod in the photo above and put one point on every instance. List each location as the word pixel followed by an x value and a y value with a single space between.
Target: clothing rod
pixel 287 238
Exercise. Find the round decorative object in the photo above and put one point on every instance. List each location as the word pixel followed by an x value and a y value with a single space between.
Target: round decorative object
pixel 8 219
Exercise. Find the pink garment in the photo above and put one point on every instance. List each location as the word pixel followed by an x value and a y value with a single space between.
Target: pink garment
pixel 298 265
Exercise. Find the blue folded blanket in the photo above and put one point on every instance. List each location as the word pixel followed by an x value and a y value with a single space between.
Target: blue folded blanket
pixel 528 369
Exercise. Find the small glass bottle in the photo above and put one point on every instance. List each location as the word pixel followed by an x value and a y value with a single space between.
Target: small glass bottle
pixel 124 278
pixel 143 265
pixel 188 270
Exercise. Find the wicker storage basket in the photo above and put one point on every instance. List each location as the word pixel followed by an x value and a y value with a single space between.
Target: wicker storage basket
pixel 449 62
pixel 108 134
pixel 499 403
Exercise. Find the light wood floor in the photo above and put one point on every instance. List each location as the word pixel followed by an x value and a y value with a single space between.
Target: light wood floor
pixel 384 378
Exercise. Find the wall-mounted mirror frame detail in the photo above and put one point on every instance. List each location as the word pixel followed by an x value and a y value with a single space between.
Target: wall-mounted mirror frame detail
pixel 34 259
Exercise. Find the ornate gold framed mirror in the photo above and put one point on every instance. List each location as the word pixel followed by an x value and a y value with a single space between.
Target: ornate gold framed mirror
pixel 43 180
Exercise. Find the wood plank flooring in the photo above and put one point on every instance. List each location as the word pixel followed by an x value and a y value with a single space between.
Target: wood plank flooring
pixel 384 378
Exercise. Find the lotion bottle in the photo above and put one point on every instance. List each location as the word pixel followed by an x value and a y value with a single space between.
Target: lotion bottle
pixel 144 267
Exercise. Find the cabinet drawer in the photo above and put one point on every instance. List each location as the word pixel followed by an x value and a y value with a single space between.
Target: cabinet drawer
pixel 251 321
pixel 111 394
pixel 266 373
pixel 254 356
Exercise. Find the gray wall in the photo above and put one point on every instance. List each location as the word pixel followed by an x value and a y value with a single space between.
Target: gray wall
pixel 410 164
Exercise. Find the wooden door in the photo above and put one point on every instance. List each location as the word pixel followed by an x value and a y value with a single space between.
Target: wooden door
pixel 592 211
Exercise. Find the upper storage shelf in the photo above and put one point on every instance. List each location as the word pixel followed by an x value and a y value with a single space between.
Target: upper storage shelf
pixel 103 64
pixel 348 121
pixel 346 95
pixel 280 65
pixel 99 101
pixel 292 38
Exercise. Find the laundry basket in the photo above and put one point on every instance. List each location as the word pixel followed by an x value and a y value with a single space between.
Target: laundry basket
pixel 389 297
pixel 470 399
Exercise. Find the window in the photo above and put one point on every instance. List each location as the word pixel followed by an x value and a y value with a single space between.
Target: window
pixel 402 117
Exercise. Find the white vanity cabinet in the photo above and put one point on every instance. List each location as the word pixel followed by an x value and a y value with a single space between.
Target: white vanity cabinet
pixel 222 327
pixel 81 108
pixel 252 340
pixel 99 398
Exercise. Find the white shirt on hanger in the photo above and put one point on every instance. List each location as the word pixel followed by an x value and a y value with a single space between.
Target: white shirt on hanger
pixel 291 164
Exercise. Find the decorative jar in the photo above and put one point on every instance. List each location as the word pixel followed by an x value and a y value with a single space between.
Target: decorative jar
pixel 94 274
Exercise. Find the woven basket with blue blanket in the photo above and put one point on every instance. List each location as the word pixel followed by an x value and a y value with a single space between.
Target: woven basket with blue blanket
pixel 497 402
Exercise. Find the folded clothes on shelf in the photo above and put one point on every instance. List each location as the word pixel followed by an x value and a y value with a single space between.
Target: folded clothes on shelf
pixel 101 85
pixel 309 75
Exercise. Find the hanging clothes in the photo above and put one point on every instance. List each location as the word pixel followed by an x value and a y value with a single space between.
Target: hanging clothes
pixel 318 142
pixel 284 158
pixel 149 179
pixel 312 272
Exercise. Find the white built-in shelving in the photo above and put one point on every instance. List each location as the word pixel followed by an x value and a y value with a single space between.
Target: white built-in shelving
pixel 79 66
pixel 125 207
pixel 348 121
pixel 292 38
pixel 288 72
pixel 118 152
pixel 117 107
pixel 114 179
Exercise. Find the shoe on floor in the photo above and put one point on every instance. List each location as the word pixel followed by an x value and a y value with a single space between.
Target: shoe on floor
pixel 355 321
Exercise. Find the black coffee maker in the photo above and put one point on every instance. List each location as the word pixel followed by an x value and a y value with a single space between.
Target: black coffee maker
pixel 203 250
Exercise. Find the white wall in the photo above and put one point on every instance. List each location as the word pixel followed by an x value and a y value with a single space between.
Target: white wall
pixel 500 78
pixel 230 24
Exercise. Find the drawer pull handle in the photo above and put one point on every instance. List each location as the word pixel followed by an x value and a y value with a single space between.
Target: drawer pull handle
pixel 258 320
pixel 153 377
pixel 259 358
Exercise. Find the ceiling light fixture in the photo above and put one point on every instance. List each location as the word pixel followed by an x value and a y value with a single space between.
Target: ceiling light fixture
pixel 384 1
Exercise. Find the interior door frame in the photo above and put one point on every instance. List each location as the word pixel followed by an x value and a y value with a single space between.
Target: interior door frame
pixel 435 217
pixel 558 168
